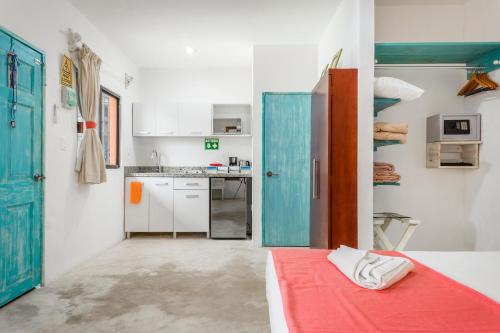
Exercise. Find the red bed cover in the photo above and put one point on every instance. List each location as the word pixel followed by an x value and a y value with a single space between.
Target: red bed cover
pixel 318 298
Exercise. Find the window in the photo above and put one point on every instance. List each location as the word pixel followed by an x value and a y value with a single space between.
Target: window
pixel 109 128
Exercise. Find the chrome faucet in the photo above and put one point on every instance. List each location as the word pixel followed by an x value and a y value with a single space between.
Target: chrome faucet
pixel 156 155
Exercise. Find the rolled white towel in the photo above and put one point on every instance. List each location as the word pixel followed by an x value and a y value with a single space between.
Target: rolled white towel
pixel 370 270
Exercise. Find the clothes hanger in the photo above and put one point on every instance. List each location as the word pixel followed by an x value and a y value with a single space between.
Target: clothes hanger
pixel 478 82
pixel 487 81
pixel 470 85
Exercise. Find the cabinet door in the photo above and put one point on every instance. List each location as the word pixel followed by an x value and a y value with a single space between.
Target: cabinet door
pixel 167 120
pixel 191 210
pixel 136 215
pixel 143 119
pixel 161 204
pixel 195 120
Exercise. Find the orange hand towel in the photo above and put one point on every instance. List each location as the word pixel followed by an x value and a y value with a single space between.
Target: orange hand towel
pixel 135 192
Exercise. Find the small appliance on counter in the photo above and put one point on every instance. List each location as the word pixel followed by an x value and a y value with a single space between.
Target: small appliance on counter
pixel 233 161
pixel 223 169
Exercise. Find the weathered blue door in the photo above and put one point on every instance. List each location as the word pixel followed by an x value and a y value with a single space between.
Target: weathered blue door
pixel 21 191
pixel 286 150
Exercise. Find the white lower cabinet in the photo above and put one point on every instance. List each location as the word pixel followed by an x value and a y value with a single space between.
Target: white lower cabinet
pixel 191 212
pixel 163 209
pixel 161 204
pixel 136 215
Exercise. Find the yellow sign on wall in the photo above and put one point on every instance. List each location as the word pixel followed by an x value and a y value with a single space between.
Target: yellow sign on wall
pixel 67 72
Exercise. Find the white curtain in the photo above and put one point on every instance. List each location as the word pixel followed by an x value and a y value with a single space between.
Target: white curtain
pixel 91 166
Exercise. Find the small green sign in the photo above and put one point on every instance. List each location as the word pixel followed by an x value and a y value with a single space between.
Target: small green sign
pixel 211 144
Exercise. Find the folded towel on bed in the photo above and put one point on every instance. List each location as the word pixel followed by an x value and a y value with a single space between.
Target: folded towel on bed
pixel 370 270
pixel 390 136
pixel 391 127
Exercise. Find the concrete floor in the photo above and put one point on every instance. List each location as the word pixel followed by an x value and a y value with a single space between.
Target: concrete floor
pixel 152 285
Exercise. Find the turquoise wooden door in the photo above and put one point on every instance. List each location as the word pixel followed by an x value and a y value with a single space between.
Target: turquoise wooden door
pixel 286 150
pixel 21 197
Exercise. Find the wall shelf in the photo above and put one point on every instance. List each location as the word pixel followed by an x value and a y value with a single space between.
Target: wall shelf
pixel 231 120
pixel 442 155
pixel 386 184
pixel 381 143
pixel 477 54
pixel 380 104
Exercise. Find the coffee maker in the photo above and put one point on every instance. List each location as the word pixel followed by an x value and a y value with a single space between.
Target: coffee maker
pixel 233 161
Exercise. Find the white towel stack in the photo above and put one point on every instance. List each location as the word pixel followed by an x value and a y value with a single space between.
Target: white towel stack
pixel 370 270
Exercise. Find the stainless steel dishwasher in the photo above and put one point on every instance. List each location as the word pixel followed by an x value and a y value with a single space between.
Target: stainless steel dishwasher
pixel 230 208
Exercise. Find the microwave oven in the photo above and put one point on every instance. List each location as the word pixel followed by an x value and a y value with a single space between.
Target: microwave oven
pixel 454 127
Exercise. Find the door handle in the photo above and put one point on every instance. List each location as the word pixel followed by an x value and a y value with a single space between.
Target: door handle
pixel 37 177
pixel 315 179
pixel 192 184
pixel 192 196
pixel 271 174
pixel 162 184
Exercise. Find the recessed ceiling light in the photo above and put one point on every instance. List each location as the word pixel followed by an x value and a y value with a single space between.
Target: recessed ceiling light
pixel 189 50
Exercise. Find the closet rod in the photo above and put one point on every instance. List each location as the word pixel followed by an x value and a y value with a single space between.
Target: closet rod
pixel 394 66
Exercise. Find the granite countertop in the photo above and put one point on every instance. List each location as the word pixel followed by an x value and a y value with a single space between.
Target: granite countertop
pixel 187 172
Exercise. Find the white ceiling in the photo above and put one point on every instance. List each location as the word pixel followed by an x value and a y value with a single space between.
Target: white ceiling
pixel 155 33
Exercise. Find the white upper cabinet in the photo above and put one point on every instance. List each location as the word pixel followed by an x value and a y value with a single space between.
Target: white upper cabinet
pixel 143 117
pixel 195 120
pixel 167 120
pixel 172 119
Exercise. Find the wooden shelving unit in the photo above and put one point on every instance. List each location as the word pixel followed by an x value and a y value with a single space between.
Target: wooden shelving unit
pixel 478 54
pixel 380 143
pixel 380 104
pixel 386 184
pixel 441 153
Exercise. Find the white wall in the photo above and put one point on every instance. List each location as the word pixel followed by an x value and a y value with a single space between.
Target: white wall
pixel 276 68
pixel 445 20
pixel 458 208
pixel 213 85
pixel 482 191
pixel 351 28
pixel 80 221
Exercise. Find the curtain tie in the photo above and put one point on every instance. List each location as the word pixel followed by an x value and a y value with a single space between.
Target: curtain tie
pixel 90 124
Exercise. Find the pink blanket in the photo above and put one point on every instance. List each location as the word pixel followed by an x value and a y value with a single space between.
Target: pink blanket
pixel 318 298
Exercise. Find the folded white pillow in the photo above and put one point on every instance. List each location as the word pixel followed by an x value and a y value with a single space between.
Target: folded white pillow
pixel 390 87
pixel 370 270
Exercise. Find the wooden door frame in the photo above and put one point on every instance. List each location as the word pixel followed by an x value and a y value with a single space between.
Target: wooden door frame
pixel 263 189
pixel 42 144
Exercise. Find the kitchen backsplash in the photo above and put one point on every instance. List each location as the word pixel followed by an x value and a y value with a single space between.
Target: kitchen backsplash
pixel 189 151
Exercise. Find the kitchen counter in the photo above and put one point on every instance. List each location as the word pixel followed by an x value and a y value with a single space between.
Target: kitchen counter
pixel 186 172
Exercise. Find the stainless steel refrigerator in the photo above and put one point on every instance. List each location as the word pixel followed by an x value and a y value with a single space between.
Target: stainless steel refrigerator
pixel 230 208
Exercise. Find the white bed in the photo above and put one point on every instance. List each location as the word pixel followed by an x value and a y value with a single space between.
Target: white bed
pixel 477 270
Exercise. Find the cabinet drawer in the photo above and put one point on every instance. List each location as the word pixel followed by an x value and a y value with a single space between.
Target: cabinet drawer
pixel 191 212
pixel 191 183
